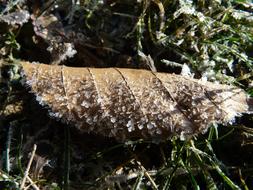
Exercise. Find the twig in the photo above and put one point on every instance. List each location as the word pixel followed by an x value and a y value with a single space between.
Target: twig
pixel 28 167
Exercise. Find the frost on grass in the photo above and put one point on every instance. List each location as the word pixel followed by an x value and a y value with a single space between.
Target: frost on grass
pixel 131 103
pixel 19 17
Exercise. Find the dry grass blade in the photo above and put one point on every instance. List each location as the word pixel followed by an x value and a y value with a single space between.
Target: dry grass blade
pixel 31 184
pixel 154 186
pixel 28 168
pixel 130 103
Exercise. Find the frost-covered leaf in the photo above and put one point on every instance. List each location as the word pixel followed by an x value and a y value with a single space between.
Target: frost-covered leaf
pixel 132 103
pixel 47 27
pixel 51 30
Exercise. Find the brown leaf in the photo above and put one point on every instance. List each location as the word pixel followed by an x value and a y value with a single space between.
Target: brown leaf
pixel 132 103
pixel 50 29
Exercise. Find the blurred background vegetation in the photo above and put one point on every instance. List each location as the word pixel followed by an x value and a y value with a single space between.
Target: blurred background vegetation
pixel 212 40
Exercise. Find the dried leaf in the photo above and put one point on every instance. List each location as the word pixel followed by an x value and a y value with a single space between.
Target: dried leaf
pixel 51 30
pixel 131 103
pixel 47 27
